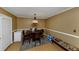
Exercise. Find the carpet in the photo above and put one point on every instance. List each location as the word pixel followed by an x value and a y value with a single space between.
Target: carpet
pixel 27 46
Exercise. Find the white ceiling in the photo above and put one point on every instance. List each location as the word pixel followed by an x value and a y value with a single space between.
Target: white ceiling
pixel 42 12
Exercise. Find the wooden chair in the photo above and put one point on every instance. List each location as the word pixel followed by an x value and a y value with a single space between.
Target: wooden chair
pixel 22 37
pixel 41 33
pixel 36 37
pixel 26 36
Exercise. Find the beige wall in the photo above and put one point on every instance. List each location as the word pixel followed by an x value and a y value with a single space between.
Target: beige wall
pixel 26 23
pixel 11 15
pixel 65 22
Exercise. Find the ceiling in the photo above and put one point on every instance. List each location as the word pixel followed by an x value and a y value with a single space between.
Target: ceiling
pixel 41 12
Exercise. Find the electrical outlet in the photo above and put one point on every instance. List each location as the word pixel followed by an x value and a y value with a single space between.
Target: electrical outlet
pixel 74 30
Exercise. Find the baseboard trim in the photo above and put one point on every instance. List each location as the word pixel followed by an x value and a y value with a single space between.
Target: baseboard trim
pixel 10 45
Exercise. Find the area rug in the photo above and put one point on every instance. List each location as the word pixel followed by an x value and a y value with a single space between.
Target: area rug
pixel 27 46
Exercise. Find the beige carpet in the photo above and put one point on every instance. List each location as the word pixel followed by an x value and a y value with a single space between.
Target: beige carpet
pixel 46 47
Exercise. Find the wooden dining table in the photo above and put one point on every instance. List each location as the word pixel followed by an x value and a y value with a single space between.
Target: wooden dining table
pixel 34 35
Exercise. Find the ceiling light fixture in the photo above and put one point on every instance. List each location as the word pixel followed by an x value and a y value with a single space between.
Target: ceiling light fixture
pixel 35 20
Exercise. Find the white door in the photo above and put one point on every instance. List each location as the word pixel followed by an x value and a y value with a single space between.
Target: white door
pixel 6 32
pixel 0 33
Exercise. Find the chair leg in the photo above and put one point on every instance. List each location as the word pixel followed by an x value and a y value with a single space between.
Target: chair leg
pixel 29 41
pixel 35 43
pixel 22 42
pixel 40 41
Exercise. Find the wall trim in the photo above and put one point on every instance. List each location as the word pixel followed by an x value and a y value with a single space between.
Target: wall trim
pixel 63 33
pixel 75 36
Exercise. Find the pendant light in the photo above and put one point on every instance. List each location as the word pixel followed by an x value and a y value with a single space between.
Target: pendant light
pixel 35 20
